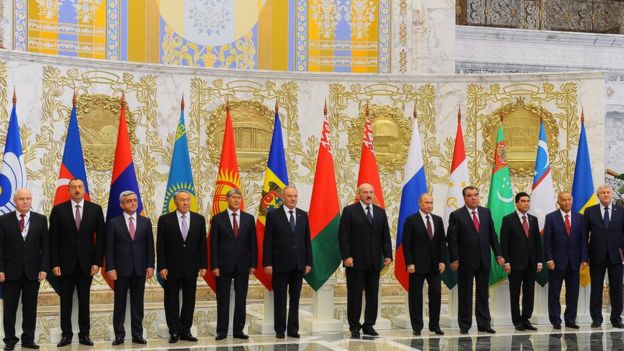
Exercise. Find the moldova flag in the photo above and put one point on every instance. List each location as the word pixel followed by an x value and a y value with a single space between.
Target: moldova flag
pixel 275 179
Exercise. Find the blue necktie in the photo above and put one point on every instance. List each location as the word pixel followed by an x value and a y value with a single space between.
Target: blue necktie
pixel 292 220
pixel 369 215
pixel 606 217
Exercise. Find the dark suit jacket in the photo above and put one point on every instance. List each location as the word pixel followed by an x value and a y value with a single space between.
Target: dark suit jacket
pixel 69 246
pixel 229 253
pixel 465 245
pixel 19 257
pixel 604 243
pixel 418 250
pixel 125 255
pixel 518 250
pixel 565 250
pixel 181 258
pixel 368 244
pixel 282 249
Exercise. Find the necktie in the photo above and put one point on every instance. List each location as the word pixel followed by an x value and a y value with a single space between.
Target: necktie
pixel 525 225
pixel 234 225
pixel 131 227
pixel 292 220
pixel 22 222
pixel 475 221
pixel 77 217
pixel 429 228
pixel 567 225
pixel 369 215
pixel 184 227
pixel 606 217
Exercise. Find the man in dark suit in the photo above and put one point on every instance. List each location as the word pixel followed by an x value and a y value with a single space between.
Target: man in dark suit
pixel 470 235
pixel 604 229
pixel 522 251
pixel 364 238
pixel 565 251
pixel 129 262
pixel 24 261
pixel 233 255
pixel 181 248
pixel 424 248
pixel 76 249
pixel 287 256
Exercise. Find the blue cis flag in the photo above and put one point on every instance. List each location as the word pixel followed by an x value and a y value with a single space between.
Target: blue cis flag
pixel 13 175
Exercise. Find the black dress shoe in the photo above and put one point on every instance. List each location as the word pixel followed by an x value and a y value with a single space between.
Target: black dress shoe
pixel 30 345
pixel 66 340
pixel 355 333
pixel 221 336
pixel 618 325
pixel 556 326
pixel 416 332
pixel 529 326
pixel 118 341
pixel 189 337
pixel 279 335
pixel 572 325
pixel 85 340
pixel 596 325
pixel 488 330
pixel 519 327
pixel 463 331
pixel 437 331
pixel 9 346
pixel 239 335
pixel 370 331
pixel 174 338
pixel 294 335
pixel 139 340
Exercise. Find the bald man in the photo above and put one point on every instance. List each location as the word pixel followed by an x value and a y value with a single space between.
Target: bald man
pixel 366 248
pixel 24 261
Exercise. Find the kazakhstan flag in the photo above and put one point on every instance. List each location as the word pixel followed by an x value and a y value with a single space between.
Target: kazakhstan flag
pixel 180 173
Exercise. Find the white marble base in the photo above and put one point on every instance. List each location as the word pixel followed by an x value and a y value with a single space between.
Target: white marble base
pixel 212 326
pixel 540 307
pixel 322 317
pixel 582 316
pixel 449 319
pixel 500 306
pixel 266 325
pixel 403 320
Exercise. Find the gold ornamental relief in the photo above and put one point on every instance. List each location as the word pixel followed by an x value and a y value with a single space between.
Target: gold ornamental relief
pixel 391 137
pixel 521 124
pixel 98 117
pixel 253 129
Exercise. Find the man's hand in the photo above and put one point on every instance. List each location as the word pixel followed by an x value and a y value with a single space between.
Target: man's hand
pixel 454 266
pixel 348 262
pixel 441 267
pixel 42 276
pixel 550 265
pixel 94 270
pixel 164 273
pixel 215 272
pixel 500 260
pixel 308 269
pixel 268 270
pixel 411 268
pixel 56 271
pixel 112 275
pixel 252 270
pixel 202 272
pixel 387 261
pixel 2 277
pixel 507 268
pixel 584 265
pixel 149 273
pixel 539 267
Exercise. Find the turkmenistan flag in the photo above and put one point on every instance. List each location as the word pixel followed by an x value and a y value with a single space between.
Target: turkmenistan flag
pixel 500 198
pixel 324 215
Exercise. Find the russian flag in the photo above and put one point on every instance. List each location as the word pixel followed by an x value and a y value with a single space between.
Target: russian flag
pixel 414 184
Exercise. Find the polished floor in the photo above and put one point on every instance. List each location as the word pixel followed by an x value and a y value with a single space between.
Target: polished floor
pixel 397 339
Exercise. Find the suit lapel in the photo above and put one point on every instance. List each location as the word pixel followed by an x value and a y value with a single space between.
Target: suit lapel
pixel 284 218
pixel 362 212
pixel 70 216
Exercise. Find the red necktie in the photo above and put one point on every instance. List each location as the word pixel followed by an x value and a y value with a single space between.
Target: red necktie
pixel 429 228
pixel 525 225
pixel 131 227
pixel 22 223
pixel 234 225
pixel 475 221
pixel 567 224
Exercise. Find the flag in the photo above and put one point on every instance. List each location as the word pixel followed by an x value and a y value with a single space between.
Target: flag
pixel 228 178
pixel 13 174
pixel 414 184
pixel 124 177
pixel 369 173
pixel 275 179
pixel 72 167
pixel 583 194
pixel 180 173
pixel 458 179
pixel 500 198
pixel 543 193
pixel 324 215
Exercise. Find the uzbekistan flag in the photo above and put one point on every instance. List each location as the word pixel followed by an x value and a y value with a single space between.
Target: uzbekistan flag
pixel 275 179
pixel 414 184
